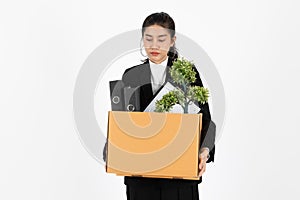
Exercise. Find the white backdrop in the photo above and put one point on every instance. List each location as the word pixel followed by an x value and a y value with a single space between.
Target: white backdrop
pixel 254 45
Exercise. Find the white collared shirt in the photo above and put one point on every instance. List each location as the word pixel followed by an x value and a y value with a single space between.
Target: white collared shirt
pixel 158 74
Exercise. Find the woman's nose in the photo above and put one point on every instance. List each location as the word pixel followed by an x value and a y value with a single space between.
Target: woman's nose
pixel 154 44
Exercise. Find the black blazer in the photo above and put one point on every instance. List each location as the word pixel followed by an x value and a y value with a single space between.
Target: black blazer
pixel 140 76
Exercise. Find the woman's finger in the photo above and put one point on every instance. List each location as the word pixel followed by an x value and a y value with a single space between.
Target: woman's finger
pixel 202 165
pixel 203 168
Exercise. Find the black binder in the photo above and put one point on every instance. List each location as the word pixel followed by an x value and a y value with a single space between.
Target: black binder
pixel 132 98
pixel 116 95
pixel 124 98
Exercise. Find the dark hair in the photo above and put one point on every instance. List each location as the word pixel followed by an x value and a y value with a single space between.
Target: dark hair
pixel 164 20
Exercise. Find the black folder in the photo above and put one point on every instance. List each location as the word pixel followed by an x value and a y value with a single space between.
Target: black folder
pixel 124 98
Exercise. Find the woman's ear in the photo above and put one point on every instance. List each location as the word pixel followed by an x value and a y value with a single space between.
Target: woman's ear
pixel 173 40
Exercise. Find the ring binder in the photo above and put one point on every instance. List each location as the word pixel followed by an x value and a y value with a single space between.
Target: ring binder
pixel 116 95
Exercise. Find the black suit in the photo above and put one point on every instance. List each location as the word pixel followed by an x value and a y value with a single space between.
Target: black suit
pixel 140 75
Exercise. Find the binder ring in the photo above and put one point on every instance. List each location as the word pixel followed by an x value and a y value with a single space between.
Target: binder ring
pixel 116 99
pixel 130 107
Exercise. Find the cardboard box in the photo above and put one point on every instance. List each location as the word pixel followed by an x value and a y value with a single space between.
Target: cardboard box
pixel 151 144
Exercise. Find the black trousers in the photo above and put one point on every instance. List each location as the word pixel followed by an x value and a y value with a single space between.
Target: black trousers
pixel 142 192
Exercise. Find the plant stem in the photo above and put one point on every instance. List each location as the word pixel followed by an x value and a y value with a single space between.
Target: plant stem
pixel 185 108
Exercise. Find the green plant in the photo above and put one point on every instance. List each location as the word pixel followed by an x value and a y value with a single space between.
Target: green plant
pixel 183 74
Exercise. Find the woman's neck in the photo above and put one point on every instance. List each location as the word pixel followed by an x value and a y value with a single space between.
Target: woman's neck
pixel 160 61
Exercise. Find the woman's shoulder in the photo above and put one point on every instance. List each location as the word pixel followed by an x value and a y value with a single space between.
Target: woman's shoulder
pixel 133 72
pixel 134 68
pixel 137 67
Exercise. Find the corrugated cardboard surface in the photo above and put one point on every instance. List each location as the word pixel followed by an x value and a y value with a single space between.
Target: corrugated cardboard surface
pixel 150 144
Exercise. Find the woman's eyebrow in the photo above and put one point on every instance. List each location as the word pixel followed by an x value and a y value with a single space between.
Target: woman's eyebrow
pixel 162 35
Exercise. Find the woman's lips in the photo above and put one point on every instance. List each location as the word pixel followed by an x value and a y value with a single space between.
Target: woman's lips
pixel 154 53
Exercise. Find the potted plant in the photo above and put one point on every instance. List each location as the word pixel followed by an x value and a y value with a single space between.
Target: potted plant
pixel 183 74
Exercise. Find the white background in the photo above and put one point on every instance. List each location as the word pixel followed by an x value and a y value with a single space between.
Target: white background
pixel 254 45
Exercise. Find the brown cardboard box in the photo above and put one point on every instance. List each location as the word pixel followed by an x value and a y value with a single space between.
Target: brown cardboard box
pixel 151 144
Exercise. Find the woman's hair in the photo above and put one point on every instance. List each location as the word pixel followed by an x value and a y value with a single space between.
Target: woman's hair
pixel 164 20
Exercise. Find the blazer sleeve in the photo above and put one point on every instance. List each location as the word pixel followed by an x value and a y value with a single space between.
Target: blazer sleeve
pixel 208 132
pixel 104 152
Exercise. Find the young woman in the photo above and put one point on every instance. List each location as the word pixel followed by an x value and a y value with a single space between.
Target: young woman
pixel 158 39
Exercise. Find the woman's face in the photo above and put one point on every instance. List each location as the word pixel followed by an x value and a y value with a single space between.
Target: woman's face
pixel 157 42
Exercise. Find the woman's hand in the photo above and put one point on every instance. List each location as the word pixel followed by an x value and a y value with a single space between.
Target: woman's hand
pixel 203 156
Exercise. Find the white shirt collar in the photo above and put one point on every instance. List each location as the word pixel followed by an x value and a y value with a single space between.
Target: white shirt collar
pixel 158 74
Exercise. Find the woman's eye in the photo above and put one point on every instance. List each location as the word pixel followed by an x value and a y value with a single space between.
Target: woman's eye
pixel 149 40
pixel 161 40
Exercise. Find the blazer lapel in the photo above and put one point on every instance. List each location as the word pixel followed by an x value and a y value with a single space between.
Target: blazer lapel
pixel 146 94
pixel 168 76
